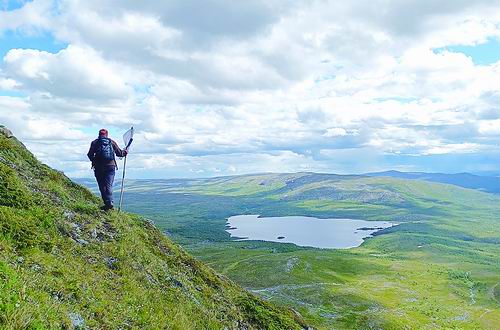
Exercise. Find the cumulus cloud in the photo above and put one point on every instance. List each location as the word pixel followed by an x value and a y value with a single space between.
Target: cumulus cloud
pixel 224 87
pixel 490 127
pixel 335 131
pixel 8 84
pixel 74 72
pixel 31 18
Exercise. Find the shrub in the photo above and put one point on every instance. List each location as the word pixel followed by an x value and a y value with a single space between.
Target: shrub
pixel 12 190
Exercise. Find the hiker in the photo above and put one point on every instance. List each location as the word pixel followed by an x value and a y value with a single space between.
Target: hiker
pixel 102 155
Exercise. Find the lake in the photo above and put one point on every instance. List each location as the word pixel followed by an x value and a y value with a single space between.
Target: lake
pixel 304 231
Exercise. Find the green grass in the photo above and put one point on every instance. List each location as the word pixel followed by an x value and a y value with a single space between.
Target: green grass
pixel 60 256
pixel 440 268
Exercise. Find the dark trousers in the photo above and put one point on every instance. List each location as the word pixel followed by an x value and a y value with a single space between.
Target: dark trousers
pixel 105 175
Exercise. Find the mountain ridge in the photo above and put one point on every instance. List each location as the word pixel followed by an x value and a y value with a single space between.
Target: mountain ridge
pixel 466 180
pixel 488 184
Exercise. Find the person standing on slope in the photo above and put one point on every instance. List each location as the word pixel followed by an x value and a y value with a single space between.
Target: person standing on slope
pixel 102 155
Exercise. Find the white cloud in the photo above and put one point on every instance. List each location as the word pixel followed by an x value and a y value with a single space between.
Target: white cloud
pixel 455 148
pixel 490 127
pixel 75 72
pixel 8 84
pixel 233 87
pixel 31 18
pixel 335 131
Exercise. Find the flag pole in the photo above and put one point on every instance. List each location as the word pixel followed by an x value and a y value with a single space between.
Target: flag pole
pixel 123 180
pixel 131 138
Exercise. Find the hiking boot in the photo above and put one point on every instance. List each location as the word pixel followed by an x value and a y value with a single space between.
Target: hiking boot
pixel 106 207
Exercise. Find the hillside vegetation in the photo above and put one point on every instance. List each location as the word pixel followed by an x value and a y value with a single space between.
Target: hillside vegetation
pixel 66 264
pixel 438 269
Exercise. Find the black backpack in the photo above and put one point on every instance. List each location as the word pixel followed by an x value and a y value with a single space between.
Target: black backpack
pixel 104 149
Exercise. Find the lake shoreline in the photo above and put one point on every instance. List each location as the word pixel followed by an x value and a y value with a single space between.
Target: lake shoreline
pixel 305 231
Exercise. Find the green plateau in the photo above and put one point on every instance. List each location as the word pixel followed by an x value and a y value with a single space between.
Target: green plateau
pixel 438 269
pixel 65 264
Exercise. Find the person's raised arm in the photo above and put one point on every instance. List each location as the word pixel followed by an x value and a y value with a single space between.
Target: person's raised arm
pixel 118 151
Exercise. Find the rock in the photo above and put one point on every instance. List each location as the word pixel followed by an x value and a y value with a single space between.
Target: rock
pixel 151 279
pixel 76 233
pixel 462 317
pixel 92 260
pixel 57 296
pixel 36 268
pixel 75 226
pixel 5 131
pixel 175 282
pixel 93 233
pixel 75 230
pixel 82 241
pixel 20 260
pixel 108 231
pixel 111 262
pixel 68 214
pixel 240 325
pixel 77 320
pixel 149 221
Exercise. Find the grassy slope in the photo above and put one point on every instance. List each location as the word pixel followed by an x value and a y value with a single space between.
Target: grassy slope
pixel 62 258
pixel 440 268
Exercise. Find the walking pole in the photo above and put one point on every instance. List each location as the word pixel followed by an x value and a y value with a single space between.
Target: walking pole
pixel 123 180
pixel 128 137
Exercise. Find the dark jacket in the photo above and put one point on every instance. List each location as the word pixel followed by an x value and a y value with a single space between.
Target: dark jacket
pixel 96 163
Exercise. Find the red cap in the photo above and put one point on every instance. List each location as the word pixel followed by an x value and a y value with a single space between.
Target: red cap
pixel 103 132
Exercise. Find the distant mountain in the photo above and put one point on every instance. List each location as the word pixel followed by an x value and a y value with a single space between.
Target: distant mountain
pixel 489 184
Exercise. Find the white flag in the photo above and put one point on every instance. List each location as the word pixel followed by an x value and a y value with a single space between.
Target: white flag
pixel 128 137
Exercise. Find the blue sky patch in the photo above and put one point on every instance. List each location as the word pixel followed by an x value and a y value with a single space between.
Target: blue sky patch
pixel 399 99
pixel 12 93
pixel 43 41
pixel 326 77
pixel 143 89
pixel 482 54
pixel 9 5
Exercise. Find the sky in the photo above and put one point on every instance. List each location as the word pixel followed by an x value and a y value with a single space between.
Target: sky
pixel 222 87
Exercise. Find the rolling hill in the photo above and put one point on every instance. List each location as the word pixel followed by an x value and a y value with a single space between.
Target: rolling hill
pixel 439 268
pixel 489 184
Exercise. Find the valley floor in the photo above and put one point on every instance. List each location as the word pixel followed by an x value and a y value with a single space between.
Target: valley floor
pixel 439 269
